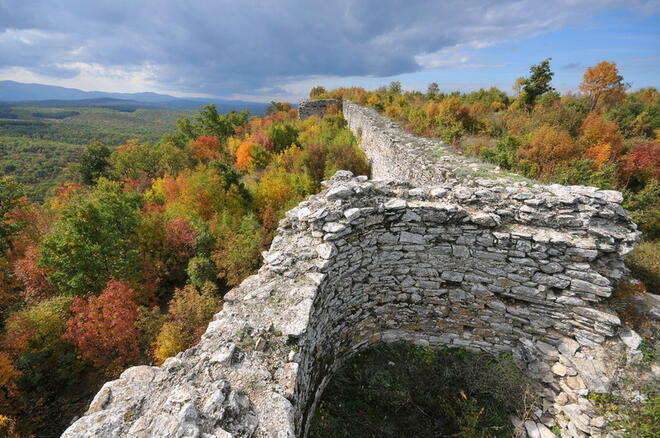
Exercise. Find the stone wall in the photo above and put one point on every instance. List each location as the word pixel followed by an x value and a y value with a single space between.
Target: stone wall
pixel 308 108
pixel 444 252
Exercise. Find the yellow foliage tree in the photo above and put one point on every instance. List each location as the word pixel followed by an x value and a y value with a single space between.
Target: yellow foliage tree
pixel 189 314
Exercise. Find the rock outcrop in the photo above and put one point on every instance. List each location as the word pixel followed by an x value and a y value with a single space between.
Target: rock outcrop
pixel 437 250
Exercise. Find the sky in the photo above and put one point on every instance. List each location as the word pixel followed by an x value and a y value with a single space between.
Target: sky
pixel 265 50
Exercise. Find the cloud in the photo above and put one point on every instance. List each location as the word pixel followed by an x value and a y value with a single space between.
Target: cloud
pixel 572 66
pixel 252 47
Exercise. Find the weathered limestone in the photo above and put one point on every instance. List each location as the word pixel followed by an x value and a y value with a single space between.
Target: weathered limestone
pixel 435 257
pixel 308 108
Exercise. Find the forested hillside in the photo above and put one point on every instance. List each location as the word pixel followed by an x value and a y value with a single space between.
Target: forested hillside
pixel 127 261
pixel 38 143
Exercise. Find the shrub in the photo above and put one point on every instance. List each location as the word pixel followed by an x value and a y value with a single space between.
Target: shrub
pixel 548 147
pixel 644 207
pixel 505 153
pixel 645 264
pixel 282 136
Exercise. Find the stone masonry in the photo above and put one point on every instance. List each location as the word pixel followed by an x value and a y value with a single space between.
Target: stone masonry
pixel 308 108
pixel 436 250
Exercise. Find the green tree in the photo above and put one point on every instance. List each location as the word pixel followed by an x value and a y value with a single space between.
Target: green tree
pixel 93 241
pixel 240 243
pixel 538 82
pixel 209 122
pixel 93 162
pixel 135 160
pixel 433 89
pixel 11 194
pixel 395 87
pixel 282 135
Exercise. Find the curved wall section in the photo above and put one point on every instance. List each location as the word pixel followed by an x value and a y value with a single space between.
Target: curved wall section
pixel 445 259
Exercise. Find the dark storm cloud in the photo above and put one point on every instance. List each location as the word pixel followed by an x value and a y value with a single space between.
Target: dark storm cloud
pixel 226 46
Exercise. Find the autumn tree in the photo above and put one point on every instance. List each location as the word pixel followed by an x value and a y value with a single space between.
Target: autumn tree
pixel 8 394
pixel 602 81
pixel 318 92
pixel 36 286
pixel 600 139
pixel 38 327
pixel 547 148
pixel 395 87
pixel 641 165
pixel 282 136
pixel 243 155
pixel 135 161
pixel 180 241
pixel 205 148
pixel 8 376
pixel 198 194
pixel 209 122
pixel 276 191
pixel 93 241
pixel 103 328
pixel 188 315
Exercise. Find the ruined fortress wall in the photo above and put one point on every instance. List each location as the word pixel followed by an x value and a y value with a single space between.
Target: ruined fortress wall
pixel 441 252
pixel 309 108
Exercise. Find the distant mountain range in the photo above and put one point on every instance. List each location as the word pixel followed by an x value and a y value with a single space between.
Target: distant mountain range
pixel 20 94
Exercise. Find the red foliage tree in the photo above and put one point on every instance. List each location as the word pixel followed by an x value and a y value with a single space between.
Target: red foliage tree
pixel 642 163
pixel 103 328
pixel 180 237
pixel 262 138
pixel 205 148
pixel 35 285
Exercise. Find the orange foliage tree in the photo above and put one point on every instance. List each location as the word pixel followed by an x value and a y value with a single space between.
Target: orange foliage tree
pixel 243 157
pixel 548 147
pixel 602 81
pixel 103 328
pixel 198 194
pixel 8 393
pixel 600 139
